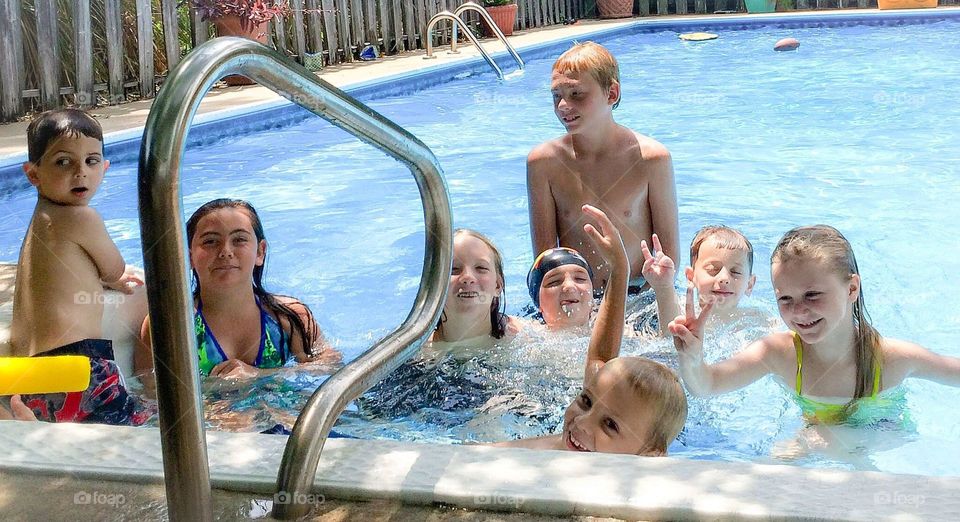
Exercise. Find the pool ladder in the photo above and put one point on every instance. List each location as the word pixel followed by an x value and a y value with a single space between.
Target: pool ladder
pixel 185 465
pixel 455 17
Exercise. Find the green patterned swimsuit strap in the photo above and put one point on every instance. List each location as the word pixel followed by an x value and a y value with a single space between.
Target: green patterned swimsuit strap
pixel 798 346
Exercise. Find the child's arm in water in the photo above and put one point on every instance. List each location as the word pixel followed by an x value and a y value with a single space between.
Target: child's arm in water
pixel 660 272
pixel 753 362
pixel 608 330
pixel 906 359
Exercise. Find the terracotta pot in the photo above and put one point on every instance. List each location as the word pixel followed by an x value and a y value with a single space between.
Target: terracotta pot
pixel 229 25
pixel 615 8
pixel 905 4
pixel 505 16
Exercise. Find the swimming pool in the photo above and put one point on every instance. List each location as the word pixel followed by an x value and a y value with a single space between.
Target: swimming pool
pixel 762 141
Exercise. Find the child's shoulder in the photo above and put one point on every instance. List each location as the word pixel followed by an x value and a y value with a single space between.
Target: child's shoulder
pixel 650 148
pixel 548 150
pixel 69 221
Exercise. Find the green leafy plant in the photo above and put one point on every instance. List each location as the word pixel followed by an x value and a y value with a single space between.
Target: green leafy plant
pixel 495 3
pixel 250 12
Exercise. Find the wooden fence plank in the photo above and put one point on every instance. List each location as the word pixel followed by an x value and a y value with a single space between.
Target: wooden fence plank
pixel 114 50
pixel 11 60
pixel 48 53
pixel 84 94
pixel 277 33
pixel 681 6
pixel 343 27
pixel 314 26
pixel 201 29
pixel 422 20
pixel 409 25
pixel 356 24
pixel 522 14
pixel 662 7
pixel 330 28
pixel 371 31
pixel 145 47
pixel 387 28
pixel 171 32
pixel 396 16
pixel 700 6
pixel 299 29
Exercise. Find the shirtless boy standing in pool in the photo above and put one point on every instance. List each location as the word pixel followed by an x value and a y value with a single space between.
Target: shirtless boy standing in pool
pixel 601 163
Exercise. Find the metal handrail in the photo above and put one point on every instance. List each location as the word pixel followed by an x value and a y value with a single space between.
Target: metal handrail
pixel 447 15
pixel 471 6
pixel 185 464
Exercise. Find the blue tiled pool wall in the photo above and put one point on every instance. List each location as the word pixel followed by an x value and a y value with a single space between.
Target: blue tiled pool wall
pixel 277 116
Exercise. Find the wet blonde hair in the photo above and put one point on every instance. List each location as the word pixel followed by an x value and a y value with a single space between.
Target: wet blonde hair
pixel 658 389
pixel 827 245
pixel 498 305
pixel 593 59
pixel 724 237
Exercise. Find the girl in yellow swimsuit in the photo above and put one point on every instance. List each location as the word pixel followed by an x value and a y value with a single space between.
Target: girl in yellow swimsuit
pixel 839 362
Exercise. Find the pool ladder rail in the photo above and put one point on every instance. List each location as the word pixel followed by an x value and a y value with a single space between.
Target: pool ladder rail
pixel 455 17
pixel 183 440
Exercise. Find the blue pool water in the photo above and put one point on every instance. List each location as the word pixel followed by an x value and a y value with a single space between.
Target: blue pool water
pixel 857 129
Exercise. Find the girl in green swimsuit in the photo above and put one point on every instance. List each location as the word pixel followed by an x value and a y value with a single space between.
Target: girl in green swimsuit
pixel 240 327
pixel 840 364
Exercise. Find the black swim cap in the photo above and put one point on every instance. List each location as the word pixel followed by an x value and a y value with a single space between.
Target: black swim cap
pixel 547 261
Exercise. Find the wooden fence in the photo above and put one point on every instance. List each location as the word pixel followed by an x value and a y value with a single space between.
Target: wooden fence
pixel 95 52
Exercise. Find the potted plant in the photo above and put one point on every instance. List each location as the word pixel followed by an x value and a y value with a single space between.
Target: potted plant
pixel 503 13
pixel 244 18
pixel 615 8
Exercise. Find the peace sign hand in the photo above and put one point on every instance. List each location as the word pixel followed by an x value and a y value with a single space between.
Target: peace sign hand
pixel 658 269
pixel 688 328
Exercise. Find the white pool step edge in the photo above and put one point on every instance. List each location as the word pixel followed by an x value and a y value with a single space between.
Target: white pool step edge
pixel 477 477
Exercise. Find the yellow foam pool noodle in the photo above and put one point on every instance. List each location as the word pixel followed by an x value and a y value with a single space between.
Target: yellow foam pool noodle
pixel 54 374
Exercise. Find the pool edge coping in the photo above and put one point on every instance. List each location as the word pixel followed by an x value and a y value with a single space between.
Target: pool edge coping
pixel 501 479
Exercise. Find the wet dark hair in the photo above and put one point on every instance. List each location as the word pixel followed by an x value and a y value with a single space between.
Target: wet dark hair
pixel 308 333
pixel 48 126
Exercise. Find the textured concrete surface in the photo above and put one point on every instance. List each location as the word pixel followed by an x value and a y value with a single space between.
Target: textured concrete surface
pixel 551 483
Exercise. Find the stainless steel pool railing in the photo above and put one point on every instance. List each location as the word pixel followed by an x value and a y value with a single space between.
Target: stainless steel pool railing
pixel 186 470
pixel 472 6
pixel 447 15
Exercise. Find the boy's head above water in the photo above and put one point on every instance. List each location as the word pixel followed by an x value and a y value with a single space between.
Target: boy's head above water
pixel 586 74
pixel 560 285
pixel 65 156
pixel 632 405
pixel 721 266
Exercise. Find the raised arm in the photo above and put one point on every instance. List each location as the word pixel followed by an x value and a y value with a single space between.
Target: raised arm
pixel 663 203
pixel 660 271
pixel 702 379
pixel 543 210
pixel 607 332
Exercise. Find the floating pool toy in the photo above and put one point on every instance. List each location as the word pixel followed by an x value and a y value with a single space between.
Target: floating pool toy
pixel 54 374
pixel 786 44
pixel 697 37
